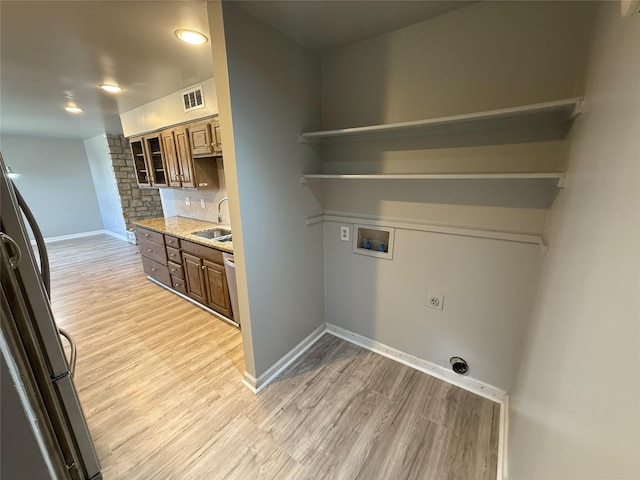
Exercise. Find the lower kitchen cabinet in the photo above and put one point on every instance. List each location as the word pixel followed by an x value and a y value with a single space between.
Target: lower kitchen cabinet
pixel 191 269
pixel 205 277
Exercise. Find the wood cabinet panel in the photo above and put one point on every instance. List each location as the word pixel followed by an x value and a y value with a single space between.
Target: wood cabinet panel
pixel 217 289
pixel 173 254
pixel 154 251
pixel 204 252
pixel 194 277
pixel 179 284
pixel 183 153
pixel 140 161
pixel 200 140
pixel 171 158
pixel 176 269
pixel 144 234
pixel 156 270
pixel 170 241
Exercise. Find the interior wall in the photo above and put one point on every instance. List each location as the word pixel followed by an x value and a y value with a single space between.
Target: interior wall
pixel 273 93
pixel 486 56
pixel 174 203
pixel 574 413
pixel 104 181
pixel 55 181
pixel 168 110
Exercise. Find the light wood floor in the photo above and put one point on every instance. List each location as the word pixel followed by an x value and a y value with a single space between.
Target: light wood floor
pixel 159 380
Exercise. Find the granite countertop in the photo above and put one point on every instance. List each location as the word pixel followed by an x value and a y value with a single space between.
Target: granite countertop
pixel 183 227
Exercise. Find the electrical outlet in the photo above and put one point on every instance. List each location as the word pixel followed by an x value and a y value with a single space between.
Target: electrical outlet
pixel 344 233
pixel 202 204
pixel 435 301
pixel 187 201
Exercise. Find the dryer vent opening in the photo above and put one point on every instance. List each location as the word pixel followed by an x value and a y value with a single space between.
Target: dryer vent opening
pixel 459 365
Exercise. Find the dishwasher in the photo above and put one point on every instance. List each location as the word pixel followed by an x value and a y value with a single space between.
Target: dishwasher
pixel 230 270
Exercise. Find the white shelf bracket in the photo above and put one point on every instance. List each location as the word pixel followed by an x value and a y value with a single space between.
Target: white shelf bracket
pixel 303 181
pixel 562 181
pixel 577 109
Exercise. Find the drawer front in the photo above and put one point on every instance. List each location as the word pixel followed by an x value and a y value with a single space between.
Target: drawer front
pixel 170 241
pixel 144 234
pixel 154 251
pixel 176 270
pixel 156 270
pixel 179 284
pixel 173 255
pixel 205 252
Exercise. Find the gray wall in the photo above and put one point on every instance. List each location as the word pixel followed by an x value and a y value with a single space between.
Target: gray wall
pixel 55 181
pixel 105 184
pixel 575 411
pixel 273 93
pixel 486 56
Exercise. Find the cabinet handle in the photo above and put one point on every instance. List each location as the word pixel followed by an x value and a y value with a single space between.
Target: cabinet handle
pixel 146 234
pixel 182 177
pixel 154 269
pixel 203 267
pixel 149 250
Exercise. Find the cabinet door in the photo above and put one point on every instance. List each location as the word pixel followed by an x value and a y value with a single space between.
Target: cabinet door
pixel 140 161
pixel 194 275
pixel 171 159
pixel 200 139
pixel 216 137
pixel 184 157
pixel 217 289
pixel 156 162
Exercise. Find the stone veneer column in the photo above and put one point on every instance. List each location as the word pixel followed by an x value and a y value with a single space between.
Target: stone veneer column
pixel 136 202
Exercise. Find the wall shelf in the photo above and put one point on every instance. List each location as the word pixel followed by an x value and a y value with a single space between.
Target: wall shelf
pixel 556 179
pixel 540 113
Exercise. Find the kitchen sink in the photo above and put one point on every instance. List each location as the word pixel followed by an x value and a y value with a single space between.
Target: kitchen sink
pixel 218 234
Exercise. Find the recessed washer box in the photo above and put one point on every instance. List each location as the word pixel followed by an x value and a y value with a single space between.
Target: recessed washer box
pixel 373 240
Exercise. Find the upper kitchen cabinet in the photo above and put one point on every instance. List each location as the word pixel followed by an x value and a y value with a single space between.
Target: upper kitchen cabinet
pixel 184 170
pixel 205 139
pixel 149 161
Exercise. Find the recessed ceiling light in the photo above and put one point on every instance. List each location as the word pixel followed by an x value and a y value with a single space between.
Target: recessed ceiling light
pixel 191 36
pixel 72 108
pixel 110 87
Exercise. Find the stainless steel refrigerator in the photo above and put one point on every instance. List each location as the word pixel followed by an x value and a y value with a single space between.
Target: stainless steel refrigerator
pixel 47 432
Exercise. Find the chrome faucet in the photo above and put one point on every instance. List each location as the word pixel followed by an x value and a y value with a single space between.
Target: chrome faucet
pixel 220 203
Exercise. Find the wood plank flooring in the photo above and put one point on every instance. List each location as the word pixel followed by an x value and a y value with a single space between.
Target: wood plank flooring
pixel 159 380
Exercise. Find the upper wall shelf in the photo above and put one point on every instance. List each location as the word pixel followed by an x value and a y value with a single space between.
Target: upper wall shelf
pixel 540 113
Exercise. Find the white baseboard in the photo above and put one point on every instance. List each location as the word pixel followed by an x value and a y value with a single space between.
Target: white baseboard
pixel 503 439
pixel 71 236
pixel 467 383
pixel 116 235
pixel 257 384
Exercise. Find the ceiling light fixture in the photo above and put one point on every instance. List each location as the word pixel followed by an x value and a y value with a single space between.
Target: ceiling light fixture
pixel 110 87
pixel 71 107
pixel 191 36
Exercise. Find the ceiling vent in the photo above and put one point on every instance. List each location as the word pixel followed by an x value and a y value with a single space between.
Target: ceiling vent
pixel 193 99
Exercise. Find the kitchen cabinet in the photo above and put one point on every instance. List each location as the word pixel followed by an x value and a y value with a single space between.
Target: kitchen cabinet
pixel 149 161
pixel 205 138
pixel 183 170
pixel 154 255
pixel 205 277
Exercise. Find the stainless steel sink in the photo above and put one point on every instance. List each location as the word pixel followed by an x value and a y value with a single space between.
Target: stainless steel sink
pixel 218 234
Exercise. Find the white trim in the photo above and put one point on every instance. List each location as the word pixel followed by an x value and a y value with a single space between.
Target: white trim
pixel 116 235
pixel 503 439
pixel 339 217
pixel 467 383
pixel 557 178
pixel 72 236
pixel 257 385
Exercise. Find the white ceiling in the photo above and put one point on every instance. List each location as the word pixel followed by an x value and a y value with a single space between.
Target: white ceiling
pixel 50 50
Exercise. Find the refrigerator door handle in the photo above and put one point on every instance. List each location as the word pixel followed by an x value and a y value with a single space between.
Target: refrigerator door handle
pixel 72 344
pixel 15 250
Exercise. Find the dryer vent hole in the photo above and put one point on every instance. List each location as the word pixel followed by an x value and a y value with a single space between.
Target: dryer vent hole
pixel 459 365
